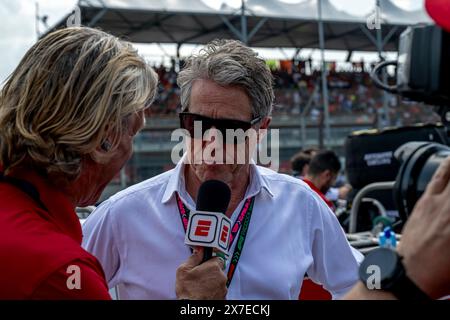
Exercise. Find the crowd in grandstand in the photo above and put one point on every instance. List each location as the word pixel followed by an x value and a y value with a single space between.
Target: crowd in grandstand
pixel 351 93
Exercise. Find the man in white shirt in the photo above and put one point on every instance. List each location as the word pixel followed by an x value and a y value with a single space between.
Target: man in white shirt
pixel 138 234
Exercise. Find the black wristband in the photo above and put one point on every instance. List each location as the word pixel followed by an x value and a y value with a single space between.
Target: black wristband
pixel 391 275
pixel 404 288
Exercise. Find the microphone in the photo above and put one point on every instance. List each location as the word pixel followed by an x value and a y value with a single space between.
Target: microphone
pixel 208 225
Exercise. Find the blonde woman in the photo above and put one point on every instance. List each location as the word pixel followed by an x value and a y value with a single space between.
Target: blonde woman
pixel 68 114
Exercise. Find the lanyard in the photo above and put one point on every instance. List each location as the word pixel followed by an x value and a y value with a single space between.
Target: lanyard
pixel 242 223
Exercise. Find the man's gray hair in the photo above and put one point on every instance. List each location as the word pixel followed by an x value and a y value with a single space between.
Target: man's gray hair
pixel 230 62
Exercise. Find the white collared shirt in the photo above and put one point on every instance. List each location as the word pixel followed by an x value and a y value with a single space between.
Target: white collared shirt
pixel 138 237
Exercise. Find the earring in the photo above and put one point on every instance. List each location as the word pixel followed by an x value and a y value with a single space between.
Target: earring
pixel 106 145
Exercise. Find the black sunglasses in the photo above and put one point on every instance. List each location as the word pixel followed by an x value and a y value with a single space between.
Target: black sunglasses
pixel 187 121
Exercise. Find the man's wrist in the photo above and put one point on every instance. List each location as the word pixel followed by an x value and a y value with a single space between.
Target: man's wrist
pixel 360 292
pixel 416 274
pixel 383 268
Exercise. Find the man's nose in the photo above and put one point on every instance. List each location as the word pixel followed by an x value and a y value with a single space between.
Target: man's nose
pixel 212 135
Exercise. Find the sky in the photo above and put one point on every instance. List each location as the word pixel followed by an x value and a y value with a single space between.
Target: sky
pixel 18 30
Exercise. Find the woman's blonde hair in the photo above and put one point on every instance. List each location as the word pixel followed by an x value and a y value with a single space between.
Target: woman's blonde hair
pixel 71 89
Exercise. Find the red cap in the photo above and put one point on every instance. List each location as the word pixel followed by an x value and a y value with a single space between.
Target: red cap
pixel 439 11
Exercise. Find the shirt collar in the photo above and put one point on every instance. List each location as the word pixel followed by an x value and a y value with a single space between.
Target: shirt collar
pixel 61 211
pixel 258 182
pixel 177 182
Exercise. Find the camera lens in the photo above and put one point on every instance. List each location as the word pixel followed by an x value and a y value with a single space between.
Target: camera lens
pixel 419 161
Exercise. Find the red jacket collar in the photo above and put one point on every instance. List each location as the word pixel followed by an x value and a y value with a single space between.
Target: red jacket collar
pixel 61 211
pixel 316 190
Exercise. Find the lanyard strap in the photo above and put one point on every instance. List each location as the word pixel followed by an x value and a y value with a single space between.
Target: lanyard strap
pixel 242 235
pixel 242 223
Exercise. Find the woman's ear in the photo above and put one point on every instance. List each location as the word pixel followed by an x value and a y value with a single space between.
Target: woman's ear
pixel 106 145
pixel 101 153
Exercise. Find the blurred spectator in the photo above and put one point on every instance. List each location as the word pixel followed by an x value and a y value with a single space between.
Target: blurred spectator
pixel 300 168
pixel 351 93
pixel 323 171
pixel 300 162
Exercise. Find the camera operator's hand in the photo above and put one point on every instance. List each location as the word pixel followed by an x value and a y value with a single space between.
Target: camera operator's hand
pixel 425 243
pixel 201 281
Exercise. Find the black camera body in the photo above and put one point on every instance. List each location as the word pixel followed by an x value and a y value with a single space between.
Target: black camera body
pixel 423 74
pixel 419 162
pixel 423 66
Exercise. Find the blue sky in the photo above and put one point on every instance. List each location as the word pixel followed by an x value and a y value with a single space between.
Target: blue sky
pixel 18 29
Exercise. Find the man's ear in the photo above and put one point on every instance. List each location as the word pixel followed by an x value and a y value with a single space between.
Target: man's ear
pixel 262 130
pixel 327 174
pixel 305 170
pixel 265 122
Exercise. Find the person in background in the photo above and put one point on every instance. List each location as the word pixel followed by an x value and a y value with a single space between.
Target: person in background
pixel 300 162
pixel 323 170
pixel 300 167
pixel 340 190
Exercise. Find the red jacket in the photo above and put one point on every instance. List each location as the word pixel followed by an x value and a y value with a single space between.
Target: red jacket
pixel 311 290
pixel 316 190
pixel 39 248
